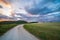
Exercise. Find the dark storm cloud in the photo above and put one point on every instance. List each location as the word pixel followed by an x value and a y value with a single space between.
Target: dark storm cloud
pixel 45 7
pixel 3 16
pixel 1 6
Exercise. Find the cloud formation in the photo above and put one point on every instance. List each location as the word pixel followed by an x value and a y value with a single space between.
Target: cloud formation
pixel 36 10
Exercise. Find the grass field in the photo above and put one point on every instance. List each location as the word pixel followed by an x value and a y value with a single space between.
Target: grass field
pixel 44 31
pixel 7 25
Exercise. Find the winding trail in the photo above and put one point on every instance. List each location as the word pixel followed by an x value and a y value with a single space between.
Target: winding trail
pixel 18 33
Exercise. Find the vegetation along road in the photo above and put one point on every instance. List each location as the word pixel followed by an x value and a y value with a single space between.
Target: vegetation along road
pixel 44 31
pixel 18 33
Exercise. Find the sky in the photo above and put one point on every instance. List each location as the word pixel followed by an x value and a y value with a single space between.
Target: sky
pixel 31 10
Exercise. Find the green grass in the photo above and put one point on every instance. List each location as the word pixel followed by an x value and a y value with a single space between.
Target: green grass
pixel 44 31
pixel 5 27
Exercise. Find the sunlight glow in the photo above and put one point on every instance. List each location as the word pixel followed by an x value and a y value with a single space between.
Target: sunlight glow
pixel 6 10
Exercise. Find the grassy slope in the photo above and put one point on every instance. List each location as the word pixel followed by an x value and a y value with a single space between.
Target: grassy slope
pixel 44 31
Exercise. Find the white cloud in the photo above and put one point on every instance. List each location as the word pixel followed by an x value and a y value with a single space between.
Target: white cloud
pixel 23 12
pixel 54 13
pixel 52 6
pixel 51 16
pixel 30 15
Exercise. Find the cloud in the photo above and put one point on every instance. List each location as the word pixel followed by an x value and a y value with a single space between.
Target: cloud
pixel 36 10
pixel 36 6
pixel 51 17
pixel 1 6
pixel 3 16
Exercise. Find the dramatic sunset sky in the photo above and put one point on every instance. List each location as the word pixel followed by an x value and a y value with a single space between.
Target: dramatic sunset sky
pixel 30 10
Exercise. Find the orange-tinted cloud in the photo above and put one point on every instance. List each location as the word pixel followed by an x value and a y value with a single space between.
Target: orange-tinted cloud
pixel 4 1
pixel 7 4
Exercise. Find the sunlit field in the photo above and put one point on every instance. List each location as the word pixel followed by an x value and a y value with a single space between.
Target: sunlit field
pixel 7 25
pixel 44 31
